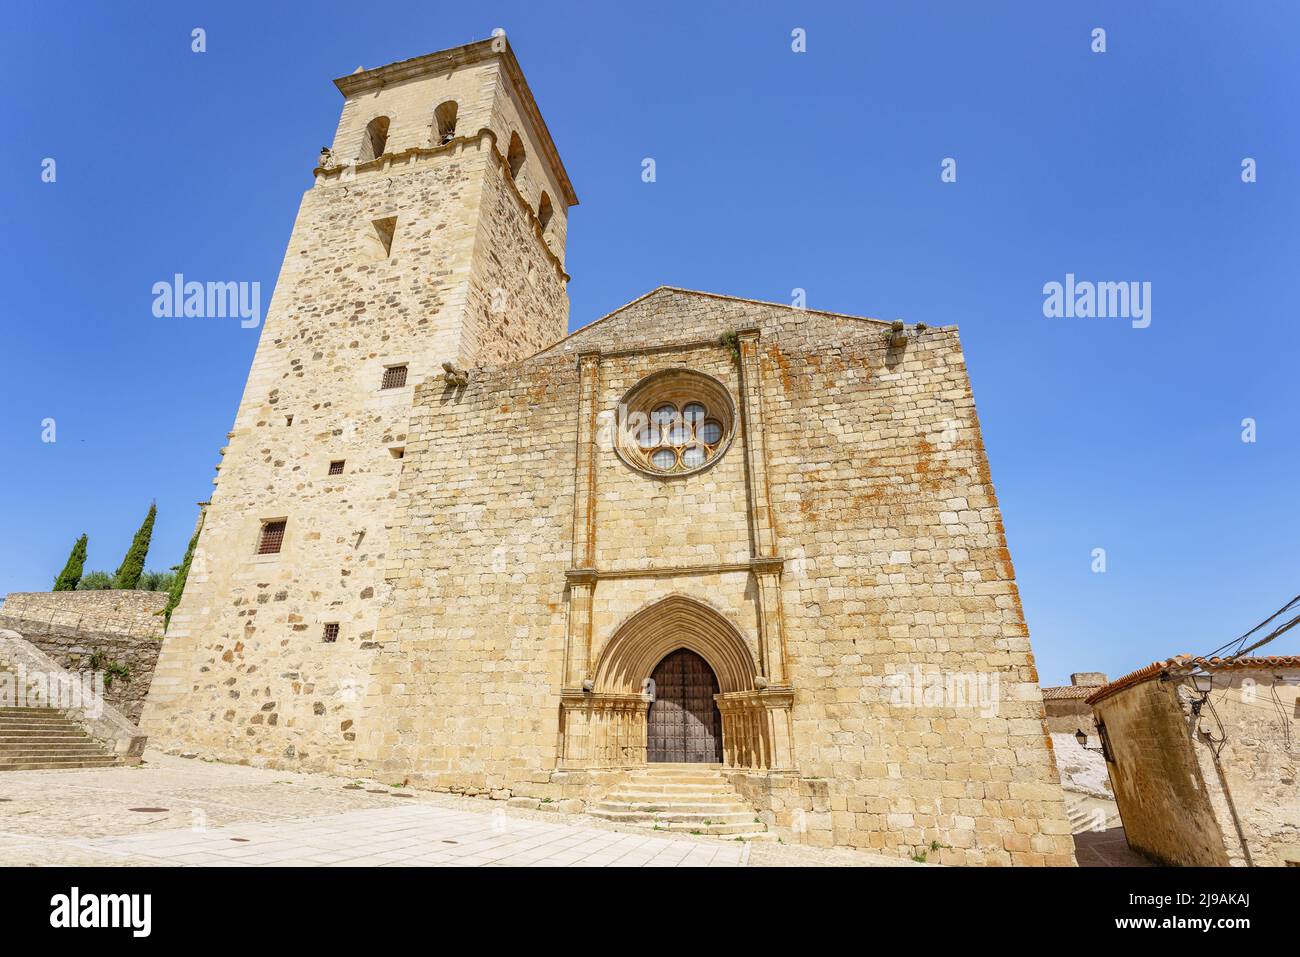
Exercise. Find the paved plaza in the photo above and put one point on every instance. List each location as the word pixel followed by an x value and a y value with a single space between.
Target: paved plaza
pixel 174 811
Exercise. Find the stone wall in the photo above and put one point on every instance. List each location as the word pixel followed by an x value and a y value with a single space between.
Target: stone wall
pixel 1216 787
pixel 894 557
pixel 470 278
pixel 1260 809
pixel 123 628
pixel 1158 783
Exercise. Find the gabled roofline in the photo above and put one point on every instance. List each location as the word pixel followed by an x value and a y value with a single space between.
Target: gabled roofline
pixel 451 58
pixel 711 295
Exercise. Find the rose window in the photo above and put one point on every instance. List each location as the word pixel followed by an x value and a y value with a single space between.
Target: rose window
pixel 675 423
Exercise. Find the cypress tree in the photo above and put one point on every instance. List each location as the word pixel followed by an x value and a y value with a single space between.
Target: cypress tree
pixel 128 573
pixel 178 585
pixel 71 574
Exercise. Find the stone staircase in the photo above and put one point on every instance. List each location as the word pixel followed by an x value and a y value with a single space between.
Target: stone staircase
pixel 36 738
pixel 47 739
pixel 1087 813
pixel 694 798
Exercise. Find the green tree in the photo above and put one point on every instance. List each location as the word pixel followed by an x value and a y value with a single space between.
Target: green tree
pixel 71 574
pixel 157 581
pixel 128 573
pixel 178 585
pixel 95 581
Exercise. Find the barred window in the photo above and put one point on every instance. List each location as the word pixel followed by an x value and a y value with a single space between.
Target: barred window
pixel 394 377
pixel 331 632
pixel 272 537
pixel 336 468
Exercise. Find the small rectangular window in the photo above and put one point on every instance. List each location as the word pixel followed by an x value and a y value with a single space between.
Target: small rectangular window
pixel 336 468
pixel 397 452
pixel 394 377
pixel 272 537
pixel 331 632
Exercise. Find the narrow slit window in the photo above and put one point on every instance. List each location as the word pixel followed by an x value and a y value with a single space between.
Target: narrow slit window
pixel 336 467
pixel 394 377
pixel 331 633
pixel 272 537
pixel 545 210
pixel 383 236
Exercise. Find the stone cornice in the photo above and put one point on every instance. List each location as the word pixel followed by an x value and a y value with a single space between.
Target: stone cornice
pixel 444 61
pixel 758 566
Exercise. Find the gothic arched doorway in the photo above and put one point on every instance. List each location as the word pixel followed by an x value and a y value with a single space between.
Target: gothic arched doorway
pixel 684 723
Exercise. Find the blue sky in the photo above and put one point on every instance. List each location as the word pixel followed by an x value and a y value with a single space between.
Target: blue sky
pixel 776 170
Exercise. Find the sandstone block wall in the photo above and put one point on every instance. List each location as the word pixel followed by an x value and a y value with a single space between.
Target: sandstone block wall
pixel 895 558
pixel 124 628
pixel 469 278
pixel 1158 784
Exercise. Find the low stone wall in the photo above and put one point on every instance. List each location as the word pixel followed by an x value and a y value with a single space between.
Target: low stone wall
pixel 118 629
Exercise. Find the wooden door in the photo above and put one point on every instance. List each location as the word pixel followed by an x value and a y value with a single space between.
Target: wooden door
pixel 684 721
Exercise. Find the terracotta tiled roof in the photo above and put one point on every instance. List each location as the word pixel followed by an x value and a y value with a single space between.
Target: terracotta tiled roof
pixel 1065 692
pixel 1187 664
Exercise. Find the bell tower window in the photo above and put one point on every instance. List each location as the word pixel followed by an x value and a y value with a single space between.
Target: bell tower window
pixel 515 157
pixel 375 141
pixel 444 122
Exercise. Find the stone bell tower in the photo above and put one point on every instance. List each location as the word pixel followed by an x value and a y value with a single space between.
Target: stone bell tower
pixel 433 238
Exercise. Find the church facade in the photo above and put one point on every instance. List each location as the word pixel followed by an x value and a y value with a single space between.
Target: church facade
pixel 449 544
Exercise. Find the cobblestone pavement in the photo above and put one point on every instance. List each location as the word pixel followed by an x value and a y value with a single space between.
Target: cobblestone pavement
pixel 1107 848
pixel 173 811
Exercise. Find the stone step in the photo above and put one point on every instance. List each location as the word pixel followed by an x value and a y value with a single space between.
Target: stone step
pixel 39 727
pixel 23 751
pixel 59 764
pixel 57 734
pixel 722 803
pixel 34 715
pixel 672 791
pixel 669 780
pixel 36 710
pixel 718 830
pixel 741 818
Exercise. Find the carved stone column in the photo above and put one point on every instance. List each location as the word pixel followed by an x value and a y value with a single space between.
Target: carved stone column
pixel 581 576
pixel 756 729
pixel 765 563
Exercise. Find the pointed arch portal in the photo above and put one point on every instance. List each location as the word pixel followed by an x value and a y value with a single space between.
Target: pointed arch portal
pixel 708 703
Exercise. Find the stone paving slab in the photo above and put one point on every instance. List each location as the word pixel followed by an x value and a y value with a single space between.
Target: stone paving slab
pixel 173 811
